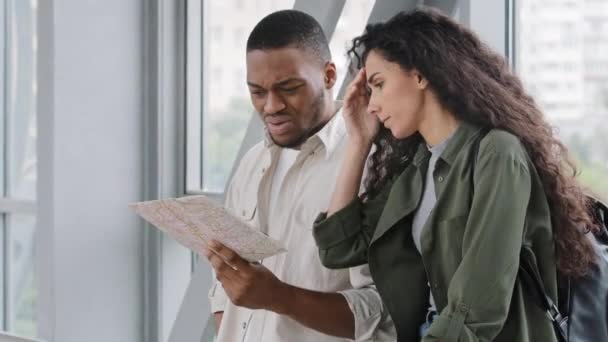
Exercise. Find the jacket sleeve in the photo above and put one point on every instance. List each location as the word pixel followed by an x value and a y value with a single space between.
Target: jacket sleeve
pixel 343 238
pixel 480 292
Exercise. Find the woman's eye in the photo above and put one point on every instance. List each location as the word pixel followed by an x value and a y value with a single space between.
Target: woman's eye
pixel 379 85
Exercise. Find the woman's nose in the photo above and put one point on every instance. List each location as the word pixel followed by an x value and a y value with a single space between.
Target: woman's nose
pixel 372 107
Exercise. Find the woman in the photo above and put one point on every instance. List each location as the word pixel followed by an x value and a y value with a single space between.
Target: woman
pixel 466 179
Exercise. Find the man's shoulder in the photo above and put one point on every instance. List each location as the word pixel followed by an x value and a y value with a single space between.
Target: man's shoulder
pixel 255 151
pixel 251 158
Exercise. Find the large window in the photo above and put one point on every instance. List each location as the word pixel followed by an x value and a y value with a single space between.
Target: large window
pixel 351 24
pixel 18 165
pixel 218 112
pixel 562 58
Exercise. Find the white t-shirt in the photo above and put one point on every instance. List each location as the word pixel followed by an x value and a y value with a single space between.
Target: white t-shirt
pixel 286 159
pixel 427 202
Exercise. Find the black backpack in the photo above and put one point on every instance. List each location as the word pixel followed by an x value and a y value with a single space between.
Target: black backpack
pixel 581 314
pixel 582 311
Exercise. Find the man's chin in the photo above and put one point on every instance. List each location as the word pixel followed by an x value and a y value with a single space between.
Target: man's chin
pixel 288 141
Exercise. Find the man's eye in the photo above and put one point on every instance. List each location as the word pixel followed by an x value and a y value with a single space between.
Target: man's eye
pixel 290 90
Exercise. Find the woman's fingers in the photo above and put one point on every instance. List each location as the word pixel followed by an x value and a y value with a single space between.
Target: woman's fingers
pixel 359 84
pixel 360 78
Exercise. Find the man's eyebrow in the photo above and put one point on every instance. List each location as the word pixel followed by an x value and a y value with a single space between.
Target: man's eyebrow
pixel 371 78
pixel 277 84
pixel 287 81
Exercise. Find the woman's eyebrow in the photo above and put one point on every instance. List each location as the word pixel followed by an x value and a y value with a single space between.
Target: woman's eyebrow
pixel 371 78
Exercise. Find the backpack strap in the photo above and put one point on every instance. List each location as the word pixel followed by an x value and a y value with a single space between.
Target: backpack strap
pixel 528 271
pixel 530 277
pixel 600 215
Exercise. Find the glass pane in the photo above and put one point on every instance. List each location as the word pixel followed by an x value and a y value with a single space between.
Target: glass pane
pixel 23 294
pixel 193 98
pixel 2 274
pixel 2 91
pixel 562 57
pixel 226 105
pixel 20 100
pixel 351 23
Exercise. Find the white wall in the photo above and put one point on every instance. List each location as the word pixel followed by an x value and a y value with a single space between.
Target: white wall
pixel 90 129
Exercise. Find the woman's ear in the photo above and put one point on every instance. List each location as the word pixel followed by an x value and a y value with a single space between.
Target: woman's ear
pixel 330 75
pixel 421 81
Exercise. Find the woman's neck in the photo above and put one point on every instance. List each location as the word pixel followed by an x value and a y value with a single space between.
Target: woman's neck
pixel 437 124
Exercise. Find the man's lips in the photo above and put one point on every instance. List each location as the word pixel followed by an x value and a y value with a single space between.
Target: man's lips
pixel 278 125
pixel 276 120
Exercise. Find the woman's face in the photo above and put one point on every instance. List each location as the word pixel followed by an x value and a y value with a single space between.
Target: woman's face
pixel 397 96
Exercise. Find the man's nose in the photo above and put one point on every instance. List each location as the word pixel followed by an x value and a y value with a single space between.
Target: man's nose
pixel 274 104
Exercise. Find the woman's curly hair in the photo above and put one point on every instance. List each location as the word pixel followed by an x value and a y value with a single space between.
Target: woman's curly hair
pixel 477 85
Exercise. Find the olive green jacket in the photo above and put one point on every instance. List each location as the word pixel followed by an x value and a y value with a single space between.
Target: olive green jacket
pixel 471 243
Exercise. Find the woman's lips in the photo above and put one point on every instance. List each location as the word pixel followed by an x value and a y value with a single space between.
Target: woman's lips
pixel 384 122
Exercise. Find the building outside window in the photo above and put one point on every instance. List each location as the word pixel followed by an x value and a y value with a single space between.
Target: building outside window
pixel 562 58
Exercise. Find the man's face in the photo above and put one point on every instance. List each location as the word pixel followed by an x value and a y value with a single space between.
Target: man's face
pixel 287 88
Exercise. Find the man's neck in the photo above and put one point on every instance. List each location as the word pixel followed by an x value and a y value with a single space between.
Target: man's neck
pixel 328 113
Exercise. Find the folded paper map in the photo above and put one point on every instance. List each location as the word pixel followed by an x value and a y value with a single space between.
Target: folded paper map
pixel 195 220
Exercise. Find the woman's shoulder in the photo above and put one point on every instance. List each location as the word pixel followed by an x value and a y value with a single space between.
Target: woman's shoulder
pixel 501 143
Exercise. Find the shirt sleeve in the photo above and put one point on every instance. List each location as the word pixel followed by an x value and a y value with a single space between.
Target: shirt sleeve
pixel 372 320
pixel 479 294
pixel 217 297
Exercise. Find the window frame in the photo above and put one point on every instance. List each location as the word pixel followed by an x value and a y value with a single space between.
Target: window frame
pixel 9 205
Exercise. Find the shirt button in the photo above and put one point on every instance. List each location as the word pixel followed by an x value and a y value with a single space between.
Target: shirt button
pixel 440 179
pixel 263 170
pixel 244 325
pixel 463 308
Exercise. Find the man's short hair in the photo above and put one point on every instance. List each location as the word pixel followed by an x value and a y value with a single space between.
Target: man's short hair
pixel 290 28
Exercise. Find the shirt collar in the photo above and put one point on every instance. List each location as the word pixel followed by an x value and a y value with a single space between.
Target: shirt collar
pixel 458 140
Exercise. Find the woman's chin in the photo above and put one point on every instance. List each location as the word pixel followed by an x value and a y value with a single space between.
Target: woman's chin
pixel 398 134
pixel 401 134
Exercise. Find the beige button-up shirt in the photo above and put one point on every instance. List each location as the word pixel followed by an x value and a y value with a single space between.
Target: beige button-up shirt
pixel 304 193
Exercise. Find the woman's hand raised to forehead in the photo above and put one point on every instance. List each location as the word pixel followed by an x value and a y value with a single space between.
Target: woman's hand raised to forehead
pixel 362 126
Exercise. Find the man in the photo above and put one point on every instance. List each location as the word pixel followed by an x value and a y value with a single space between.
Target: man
pixel 279 187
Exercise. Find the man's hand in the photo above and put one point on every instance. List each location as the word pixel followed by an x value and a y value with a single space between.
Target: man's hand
pixel 250 285
pixel 253 286
pixel 218 320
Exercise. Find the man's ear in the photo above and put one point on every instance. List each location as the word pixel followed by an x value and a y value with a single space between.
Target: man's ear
pixel 330 75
